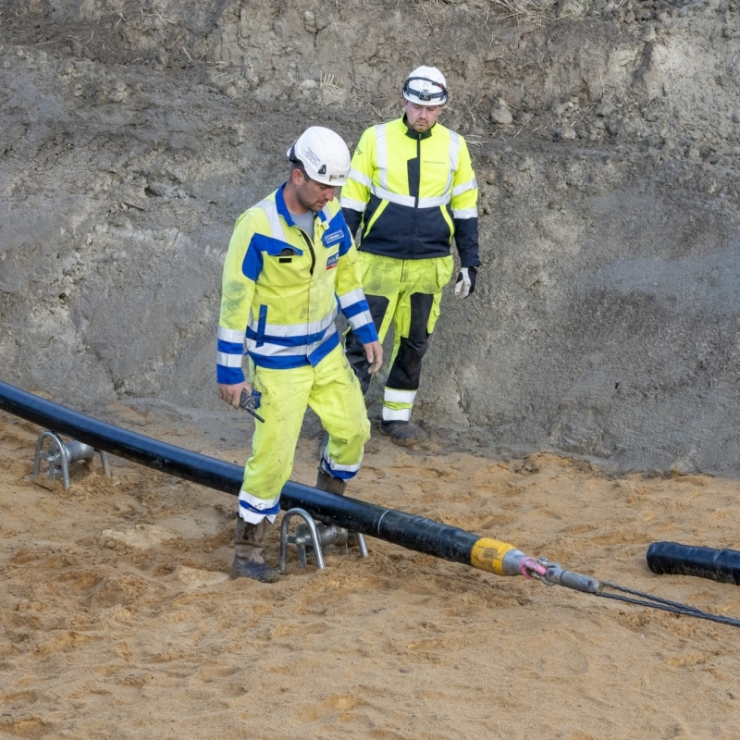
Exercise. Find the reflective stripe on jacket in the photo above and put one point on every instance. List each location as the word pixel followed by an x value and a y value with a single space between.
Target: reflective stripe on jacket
pixel 282 290
pixel 412 192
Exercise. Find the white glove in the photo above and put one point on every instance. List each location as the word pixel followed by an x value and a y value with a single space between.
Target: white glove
pixel 465 283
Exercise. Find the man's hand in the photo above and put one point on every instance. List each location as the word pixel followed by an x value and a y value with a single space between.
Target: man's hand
pixel 231 393
pixel 374 354
pixel 465 283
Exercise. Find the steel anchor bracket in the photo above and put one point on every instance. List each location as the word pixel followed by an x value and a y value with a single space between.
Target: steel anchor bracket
pixel 309 533
pixel 59 454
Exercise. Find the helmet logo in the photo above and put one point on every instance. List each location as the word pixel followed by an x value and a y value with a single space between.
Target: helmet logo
pixel 322 170
pixel 311 157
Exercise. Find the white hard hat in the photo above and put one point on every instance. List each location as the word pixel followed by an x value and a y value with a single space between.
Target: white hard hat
pixel 425 86
pixel 323 154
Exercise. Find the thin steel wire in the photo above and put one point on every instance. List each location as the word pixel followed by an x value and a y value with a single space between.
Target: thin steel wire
pixel 656 602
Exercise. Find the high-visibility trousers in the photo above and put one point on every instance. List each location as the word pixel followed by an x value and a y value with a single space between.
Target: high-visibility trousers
pixel 331 389
pixel 408 294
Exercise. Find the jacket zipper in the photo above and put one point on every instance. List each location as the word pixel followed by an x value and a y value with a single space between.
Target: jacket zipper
pixel 310 249
pixel 418 190
pixel 418 159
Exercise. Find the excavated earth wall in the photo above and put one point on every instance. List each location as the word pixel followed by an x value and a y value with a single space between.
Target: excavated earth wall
pixel 606 140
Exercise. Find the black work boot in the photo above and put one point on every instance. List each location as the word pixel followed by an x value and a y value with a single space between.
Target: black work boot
pixel 402 433
pixel 249 553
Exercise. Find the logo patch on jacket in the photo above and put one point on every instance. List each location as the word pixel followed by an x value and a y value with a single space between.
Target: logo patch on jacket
pixel 333 260
pixel 335 236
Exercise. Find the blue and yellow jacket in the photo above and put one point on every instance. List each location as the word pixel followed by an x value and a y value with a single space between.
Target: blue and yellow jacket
pixel 412 192
pixel 282 290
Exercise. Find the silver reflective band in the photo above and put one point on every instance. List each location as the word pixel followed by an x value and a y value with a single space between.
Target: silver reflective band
pixel 392 395
pixel 330 332
pixel 295 330
pixel 257 503
pixel 267 349
pixel 402 200
pixel 336 466
pixel 409 201
pixel 355 205
pixel 226 360
pixel 469 185
pixel 252 517
pixel 454 150
pixel 454 154
pixel 360 177
pixel 273 219
pixel 235 336
pixel 436 202
pixel 382 155
pixel 396 414
pixel 361 319
pixel 352 297
pixel 465 213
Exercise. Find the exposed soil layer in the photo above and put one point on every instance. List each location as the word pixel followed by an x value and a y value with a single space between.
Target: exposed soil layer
pixel 605 139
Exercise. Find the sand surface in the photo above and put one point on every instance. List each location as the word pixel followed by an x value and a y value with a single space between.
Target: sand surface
pixel 117 619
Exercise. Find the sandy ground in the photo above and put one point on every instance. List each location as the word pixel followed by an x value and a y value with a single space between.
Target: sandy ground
pixel 117 619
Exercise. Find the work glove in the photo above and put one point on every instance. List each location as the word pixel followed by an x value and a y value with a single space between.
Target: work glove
pixel 465 283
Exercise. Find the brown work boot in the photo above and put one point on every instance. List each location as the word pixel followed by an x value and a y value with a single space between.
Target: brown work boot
pixel 330 484
pixel 402 433
pixel 326 482
pixel 249 553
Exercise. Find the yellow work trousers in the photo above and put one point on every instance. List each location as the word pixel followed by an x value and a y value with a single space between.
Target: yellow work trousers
pixel 333 392
pixel 408 294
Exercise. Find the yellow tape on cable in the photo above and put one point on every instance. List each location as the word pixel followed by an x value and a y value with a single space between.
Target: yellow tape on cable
pixel 488 554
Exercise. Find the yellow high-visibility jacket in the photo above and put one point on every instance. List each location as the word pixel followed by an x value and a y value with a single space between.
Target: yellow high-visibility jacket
pixel 412 192
pixel 282 290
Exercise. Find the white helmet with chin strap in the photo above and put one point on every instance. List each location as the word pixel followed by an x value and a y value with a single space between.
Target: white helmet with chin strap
pixel 425 86
pixel 323 154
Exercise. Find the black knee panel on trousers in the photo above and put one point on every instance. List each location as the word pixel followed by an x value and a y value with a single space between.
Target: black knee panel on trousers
pixel 406 369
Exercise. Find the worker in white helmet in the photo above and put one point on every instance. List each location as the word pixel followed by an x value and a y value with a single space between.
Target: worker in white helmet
pixel 410 191
pixel 290 266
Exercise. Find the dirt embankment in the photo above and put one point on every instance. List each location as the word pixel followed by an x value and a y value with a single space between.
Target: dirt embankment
pixel 605 139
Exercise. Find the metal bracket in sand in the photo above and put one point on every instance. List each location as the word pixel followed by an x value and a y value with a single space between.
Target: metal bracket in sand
pixel 58 456
pixel 314 536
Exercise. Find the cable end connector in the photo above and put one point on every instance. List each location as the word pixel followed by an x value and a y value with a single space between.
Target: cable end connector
pixel 556 576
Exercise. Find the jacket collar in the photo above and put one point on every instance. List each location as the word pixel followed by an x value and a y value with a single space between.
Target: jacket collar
pixel 415 134
pixel 282 209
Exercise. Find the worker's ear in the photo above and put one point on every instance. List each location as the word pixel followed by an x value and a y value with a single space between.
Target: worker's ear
pixel 297 177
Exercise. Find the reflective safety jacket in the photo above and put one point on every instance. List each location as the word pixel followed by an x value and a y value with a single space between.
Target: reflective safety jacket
pixel 283 289
pixel 412 192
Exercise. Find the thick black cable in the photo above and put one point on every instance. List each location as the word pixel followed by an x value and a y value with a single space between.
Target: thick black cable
pixel 407 530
